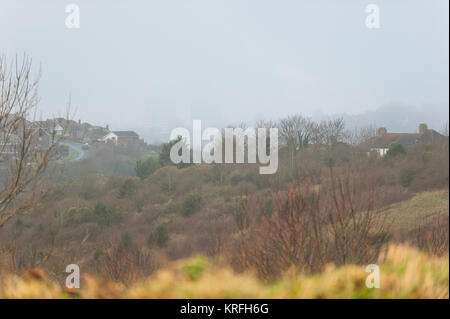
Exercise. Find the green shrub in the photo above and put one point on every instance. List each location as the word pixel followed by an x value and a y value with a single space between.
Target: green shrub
pixel 146 168
pixel 107 216
pixel 159 237
pixel 394 150
pixel 196 267
pixel 77 216
pixel 128 188
pixel 407 176
pixel 191 204
pixel 164 155
pixel 126 243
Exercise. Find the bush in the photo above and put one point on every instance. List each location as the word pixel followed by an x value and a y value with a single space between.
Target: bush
pixel 407 176
pixel 160 237
pixel 394 150
pixel 127 243
pixel 146 168
pixel 107 216
pixel 195 267
pixel 76 216
pixel 164 155
pixel 191 204
pixel 127 188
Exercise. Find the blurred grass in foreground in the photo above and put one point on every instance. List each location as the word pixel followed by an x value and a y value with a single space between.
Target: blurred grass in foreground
pixel 404 273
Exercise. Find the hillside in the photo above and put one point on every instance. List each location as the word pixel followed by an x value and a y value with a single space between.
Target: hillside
pixel 168 213
pixel 422 208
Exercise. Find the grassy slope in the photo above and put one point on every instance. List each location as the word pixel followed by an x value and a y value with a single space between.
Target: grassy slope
pixel 409 214
pixel 404 273
pixel 73 154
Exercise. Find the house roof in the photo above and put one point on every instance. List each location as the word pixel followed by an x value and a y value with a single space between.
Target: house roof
pixel 125 133
pixel 383 141
pixel 431 135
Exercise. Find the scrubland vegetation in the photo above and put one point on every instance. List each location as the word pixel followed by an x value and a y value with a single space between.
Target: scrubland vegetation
pixel 132 219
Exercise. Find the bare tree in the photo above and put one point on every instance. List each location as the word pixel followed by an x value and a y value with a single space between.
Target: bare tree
pixel 26 148
pixel 294 131
pixel 361 134
pixel 309 224
pixel 290 127
pixel 329 132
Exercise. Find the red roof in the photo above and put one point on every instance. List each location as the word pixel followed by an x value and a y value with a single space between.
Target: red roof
pixel 383 141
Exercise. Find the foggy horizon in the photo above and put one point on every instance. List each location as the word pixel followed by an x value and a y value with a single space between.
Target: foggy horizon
pixel 153 66
pixel 224 154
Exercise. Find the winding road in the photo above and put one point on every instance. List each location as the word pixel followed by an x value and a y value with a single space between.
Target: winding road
pixel 78 147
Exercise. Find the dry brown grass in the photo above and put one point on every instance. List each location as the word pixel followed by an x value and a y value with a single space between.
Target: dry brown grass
pixel 404 273
pixel 410 214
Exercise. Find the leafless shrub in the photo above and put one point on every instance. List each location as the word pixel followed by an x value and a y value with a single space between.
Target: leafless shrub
pixel 431 236
pixel 25 147
pixel 308 225
pixel 123 264
pixel 359 135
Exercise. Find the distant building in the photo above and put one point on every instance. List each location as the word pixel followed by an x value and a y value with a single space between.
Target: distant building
pixel 9 146
pixel 381 142
pixel 59 130
pixel 121 138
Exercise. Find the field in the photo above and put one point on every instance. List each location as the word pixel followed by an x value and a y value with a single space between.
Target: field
pixel 410 214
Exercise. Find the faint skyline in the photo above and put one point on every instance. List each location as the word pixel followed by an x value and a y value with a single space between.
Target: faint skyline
pixel 151 64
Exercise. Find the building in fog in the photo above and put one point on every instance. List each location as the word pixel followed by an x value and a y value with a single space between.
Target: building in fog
pixel 381 142
pixel 9 146
pixel 121 138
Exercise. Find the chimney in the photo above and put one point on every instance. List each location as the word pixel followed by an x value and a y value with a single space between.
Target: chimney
pixel 382 131
pixel 422 128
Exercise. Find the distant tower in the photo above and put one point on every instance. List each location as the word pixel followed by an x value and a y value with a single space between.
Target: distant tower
pixel 107 127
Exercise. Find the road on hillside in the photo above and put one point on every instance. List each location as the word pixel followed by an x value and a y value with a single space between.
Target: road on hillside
pixel 82 154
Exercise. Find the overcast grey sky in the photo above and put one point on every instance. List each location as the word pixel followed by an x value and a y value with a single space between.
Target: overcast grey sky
pixel 144 63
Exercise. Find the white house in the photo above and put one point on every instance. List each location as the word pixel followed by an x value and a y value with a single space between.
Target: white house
pixel 59 130
pixel 110 137
pixel 121 138
pixel 383 140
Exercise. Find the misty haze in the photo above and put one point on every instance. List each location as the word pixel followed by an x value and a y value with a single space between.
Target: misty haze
pixel 216 149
